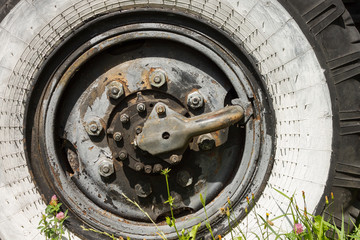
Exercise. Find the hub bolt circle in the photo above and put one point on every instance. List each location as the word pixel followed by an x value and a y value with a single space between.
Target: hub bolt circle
pixel 124 118
pixel 117 136
pixel 141 107
pixel 123 155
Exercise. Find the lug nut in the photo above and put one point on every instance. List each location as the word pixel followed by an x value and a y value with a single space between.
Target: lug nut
pixel 184 178
pixel 141 107
pixel 115 90
pixel 195 100
pixel 148 169
pixel 106 168
pixel 157 168
pixel 123 155
pixel 124 118
pixel 206 142
pixel 139 166
pixel 157 78
pixel 160 109
pixel 143 189
pixel 174 158
pixel 94 127
pixel 117 136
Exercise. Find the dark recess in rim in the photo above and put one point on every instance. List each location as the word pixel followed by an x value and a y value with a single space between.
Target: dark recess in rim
pixel 259 124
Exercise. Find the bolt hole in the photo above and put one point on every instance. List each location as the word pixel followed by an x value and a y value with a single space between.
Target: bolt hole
pixel 151 105
pixel 166 135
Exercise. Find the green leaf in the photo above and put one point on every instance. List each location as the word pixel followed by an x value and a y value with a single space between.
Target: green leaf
pixel 169 222
pixel 202 200
pixel 193 231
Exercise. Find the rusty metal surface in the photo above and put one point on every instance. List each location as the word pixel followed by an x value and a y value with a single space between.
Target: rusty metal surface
pixel 179 129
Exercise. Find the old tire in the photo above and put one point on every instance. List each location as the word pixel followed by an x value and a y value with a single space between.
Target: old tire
pixel 305 53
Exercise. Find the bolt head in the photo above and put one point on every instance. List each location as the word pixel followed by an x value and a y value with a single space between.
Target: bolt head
pixel 106 168
pixel 124 118
pixel 117 136
pixel 141 107
pixel 93 127
pixel 138 130
pixel 174 158
pixel 143 189
pixel 206 142
pixel 148 169
pixel 160 109
pixel 115 90
pixel 123 155
pixel 157 168
pixel 139 166
pixel 195 100
pixel 184 178
pixel 157 78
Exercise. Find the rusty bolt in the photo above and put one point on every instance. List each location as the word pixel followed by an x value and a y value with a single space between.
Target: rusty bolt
pixel 183 178
pixel 123 155
pixel 106 168
pixel 160 109
pixel 174 158
pixel 157 78
pixel 124 118
pixel 195 100
pixel 139 166
pixel 141 107
pixel 143 189
pixel 93 127
pixel 206 142
pixel 115 90
pixel 157 168
pixel 117 136
pixel 148 169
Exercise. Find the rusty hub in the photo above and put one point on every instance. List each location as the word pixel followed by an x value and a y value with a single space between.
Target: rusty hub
pixel 139 98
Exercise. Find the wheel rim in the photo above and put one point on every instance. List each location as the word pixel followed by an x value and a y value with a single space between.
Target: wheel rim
pixel 253 146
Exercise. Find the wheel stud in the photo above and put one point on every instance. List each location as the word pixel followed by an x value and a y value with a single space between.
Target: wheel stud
pixel 117 136
pixel 148 169
pixel 124 118
pixel 195 100
pixel 157 168
pixel 143 189
pixel 160 109
pixel 184 179
pixel 206 142
pixel 139 167
pixel 141 107
pixel 157 78
pixel 174 158
pixel 106 168
pixel 123 155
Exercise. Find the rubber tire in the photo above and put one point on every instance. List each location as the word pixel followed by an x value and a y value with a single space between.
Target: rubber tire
pixel 327 56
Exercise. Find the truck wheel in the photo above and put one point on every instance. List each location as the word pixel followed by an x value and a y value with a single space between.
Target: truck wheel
pixel 237 98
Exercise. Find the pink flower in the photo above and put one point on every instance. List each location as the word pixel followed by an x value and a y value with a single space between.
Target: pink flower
pixel 54 200
pixel 298 228
pixel 60 216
